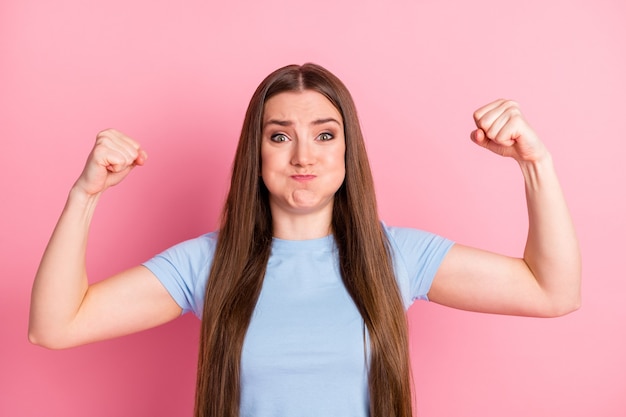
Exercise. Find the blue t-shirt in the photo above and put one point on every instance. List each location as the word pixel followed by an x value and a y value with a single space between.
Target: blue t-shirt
pixel 304 351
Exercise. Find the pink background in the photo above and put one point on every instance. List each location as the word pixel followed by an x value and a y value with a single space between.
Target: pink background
pixel 177 77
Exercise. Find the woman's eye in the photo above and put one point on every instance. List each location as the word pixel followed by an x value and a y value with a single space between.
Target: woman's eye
pixel 325 136
pixel 279 137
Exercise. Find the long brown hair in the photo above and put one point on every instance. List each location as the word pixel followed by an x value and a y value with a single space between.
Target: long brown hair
pixel 243 249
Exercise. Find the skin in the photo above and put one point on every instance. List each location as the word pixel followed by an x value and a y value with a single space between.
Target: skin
pixel 302 154
pixel 303 151
pixel 546 281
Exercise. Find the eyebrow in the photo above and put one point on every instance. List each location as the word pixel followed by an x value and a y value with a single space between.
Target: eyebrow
pixel 290 123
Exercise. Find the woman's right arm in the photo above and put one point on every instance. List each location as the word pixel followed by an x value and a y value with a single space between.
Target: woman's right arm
pixel 65 309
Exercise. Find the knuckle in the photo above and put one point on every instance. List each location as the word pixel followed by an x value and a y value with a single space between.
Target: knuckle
pixel 483 124
pixel 106 132
pixel 102 140
pixel 512 106
pixel 476 115
pixel 515 116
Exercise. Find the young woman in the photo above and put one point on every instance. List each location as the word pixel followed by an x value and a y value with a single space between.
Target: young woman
pixel 302 291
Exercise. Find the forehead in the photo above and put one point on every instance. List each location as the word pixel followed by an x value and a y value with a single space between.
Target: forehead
pixel 299 106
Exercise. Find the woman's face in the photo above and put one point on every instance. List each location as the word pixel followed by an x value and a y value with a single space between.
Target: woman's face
pixel 302 152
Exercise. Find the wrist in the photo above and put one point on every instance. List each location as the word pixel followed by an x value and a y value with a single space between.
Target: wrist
pixel 78 195
pixel 535 172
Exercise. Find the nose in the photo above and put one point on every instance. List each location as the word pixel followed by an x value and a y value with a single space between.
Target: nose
pixel 303 153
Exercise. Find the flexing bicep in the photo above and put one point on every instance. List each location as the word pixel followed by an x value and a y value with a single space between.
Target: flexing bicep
pixel 476 280
pixel 128 302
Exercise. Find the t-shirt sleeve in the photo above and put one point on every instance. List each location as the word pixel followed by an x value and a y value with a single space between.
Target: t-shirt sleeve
pixel 417 255
pixel 183 270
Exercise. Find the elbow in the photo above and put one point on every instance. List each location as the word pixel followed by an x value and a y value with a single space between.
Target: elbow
pixel 46 340
pixel 38 339
pixel 565 307
pixel 565 300
pixel 565 310
pixel 35 339
pixel 47 343
pixel 574 305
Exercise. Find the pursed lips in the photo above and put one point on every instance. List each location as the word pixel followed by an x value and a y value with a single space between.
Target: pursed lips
pixel 303 177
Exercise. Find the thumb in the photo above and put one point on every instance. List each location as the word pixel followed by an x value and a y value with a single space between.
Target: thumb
pixel 116 164
pixel 142 156
pixel 479 137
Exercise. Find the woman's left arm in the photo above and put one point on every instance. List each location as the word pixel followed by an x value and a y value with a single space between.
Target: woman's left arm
pixel 546 281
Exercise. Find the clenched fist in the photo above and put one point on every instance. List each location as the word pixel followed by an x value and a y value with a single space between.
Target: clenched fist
pixel 502 129
pixel 113 156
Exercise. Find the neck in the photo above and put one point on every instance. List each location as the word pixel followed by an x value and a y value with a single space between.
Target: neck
pixel 301 226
